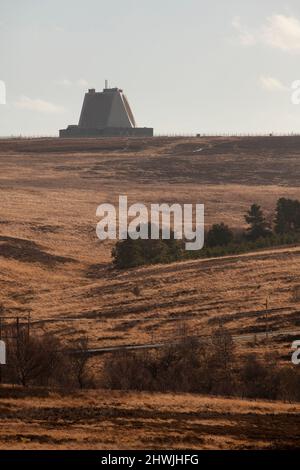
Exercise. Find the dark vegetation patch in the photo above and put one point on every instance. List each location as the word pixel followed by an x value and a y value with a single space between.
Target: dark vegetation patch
pixel 22 296
pixel 28 251
pixel 212 368
pixel 21 392
pixel 219 240
pixel 38 438
pixel 46 228
pixel 95 271
pixel 56 145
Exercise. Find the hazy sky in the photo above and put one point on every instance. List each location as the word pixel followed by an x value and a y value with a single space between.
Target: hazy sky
pixel 185 65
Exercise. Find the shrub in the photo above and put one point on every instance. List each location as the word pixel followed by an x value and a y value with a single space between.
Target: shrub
pixel 33 359
pixel 77 364
pixel 211 368
pixel 131 253
pixel 219 235
pixel 44 361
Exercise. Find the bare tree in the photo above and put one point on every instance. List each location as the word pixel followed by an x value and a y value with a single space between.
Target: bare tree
pixel 32 358
pixel 223 347
pixel 78 361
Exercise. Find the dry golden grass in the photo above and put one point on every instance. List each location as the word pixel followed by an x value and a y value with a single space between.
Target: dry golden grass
pixel 53 266
pixel 50 190
pixel 126 420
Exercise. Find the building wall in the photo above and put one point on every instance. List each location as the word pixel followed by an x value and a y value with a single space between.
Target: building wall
pixel 95 110
pixel 105 109
pixel 76 131
pixel 106 114
pixel 118 116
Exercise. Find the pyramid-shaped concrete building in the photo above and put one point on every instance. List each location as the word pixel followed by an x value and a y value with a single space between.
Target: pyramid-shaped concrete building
pixel 105 113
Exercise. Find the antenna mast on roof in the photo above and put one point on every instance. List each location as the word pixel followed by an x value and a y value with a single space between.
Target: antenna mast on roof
pixel 106 84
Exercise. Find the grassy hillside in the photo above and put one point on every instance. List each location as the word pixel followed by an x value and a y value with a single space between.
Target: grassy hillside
pixel 54 267
pixel 97 420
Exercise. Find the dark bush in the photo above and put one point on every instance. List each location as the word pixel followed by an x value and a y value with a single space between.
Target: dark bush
pixel 131 253
pixel 258 226
pixel 42 360
pixel 32 359
pixel 219 235
pixel 211 368
pixel 287 218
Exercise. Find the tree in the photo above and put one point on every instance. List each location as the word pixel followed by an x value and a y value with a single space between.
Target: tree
pixel 220 363
pixel 131 253
pixel 219 235
pixel 259 379
pixel 78 361
pixel 222 348
pixel 287 217
pixel 258 226
pixel 33 358
pixel 289 384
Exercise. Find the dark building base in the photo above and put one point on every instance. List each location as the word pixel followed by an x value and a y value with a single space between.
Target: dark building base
pixel 76 131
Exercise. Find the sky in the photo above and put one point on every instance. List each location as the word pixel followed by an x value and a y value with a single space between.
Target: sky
pixel 186 66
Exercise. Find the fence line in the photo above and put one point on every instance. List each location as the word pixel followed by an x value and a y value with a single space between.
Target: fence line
pixel 169 135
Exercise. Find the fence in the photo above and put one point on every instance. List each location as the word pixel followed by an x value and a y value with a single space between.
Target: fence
pixel 171 135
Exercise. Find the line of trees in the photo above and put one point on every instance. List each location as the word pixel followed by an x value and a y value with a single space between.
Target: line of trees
pixel 212 367
pixel 131 253
pixel 44 360
pixel 284 229
pixel 220 239
pixel 286 221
